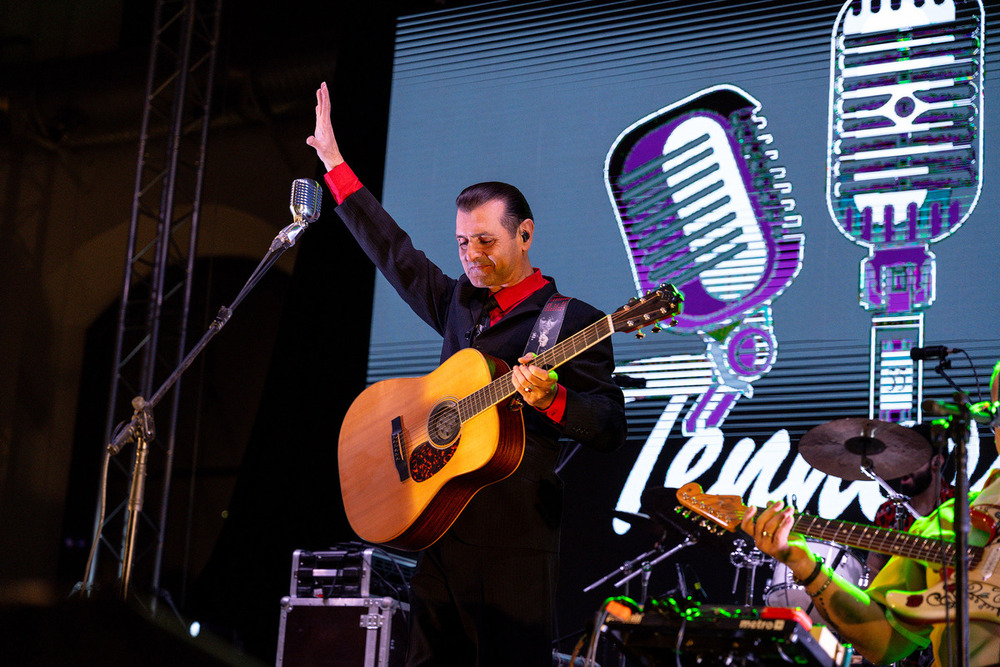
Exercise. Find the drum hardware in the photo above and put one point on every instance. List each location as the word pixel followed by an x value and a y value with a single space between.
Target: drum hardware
pixel 849 448
pixel 644 562
pixel 657 518
pixel 901 501
pixel 751 559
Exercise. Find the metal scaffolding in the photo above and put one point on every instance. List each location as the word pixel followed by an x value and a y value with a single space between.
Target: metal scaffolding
pixel 156 292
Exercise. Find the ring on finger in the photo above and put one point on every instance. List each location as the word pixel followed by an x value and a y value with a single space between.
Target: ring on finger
pixel 764 533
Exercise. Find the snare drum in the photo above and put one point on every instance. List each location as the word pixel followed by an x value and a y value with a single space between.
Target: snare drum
pixel 782 591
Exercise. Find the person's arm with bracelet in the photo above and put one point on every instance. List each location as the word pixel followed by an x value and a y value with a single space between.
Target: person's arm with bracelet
pixel 857 618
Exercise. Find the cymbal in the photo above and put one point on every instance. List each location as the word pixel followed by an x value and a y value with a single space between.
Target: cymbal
pixel 839 447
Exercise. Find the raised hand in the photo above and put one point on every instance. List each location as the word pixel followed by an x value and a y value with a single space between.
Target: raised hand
pixel 323 139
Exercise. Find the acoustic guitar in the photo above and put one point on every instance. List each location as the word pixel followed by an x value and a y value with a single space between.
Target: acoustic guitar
pixel 414 451
pixel 934 605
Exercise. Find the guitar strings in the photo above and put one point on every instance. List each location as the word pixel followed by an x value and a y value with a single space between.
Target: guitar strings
pixel 502 387
pixel 927 549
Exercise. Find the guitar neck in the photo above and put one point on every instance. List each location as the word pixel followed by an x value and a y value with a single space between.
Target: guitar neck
pixel 502 388
pixel 882 540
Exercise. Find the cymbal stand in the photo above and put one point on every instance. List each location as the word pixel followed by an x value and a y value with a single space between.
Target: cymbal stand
pixel 897 499
pixel 647 566
pixel 741 560
pixel 644 562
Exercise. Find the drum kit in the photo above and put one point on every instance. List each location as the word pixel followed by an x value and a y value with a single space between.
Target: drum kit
pixel 851 449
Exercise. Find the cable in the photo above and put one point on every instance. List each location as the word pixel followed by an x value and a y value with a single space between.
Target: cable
pixel 98 526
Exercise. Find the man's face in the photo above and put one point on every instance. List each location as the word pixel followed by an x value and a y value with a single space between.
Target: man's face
pixel 490 255
pixel 915 482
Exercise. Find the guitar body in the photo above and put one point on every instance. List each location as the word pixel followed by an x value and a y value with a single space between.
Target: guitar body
pixel 937 603
pixel 408 466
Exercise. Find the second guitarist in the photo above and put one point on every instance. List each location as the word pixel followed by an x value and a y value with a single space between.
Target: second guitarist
pixel 484 593
pixel 862 617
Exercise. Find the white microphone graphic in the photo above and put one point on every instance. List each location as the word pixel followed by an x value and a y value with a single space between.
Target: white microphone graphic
pixel 702 204
pixel 904 164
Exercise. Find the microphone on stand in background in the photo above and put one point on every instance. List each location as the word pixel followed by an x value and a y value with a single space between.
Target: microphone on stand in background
pixel 986 413
pixel 932 352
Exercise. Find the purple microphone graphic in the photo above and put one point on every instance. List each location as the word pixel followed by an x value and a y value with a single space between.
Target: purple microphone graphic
pixel 702 204
pixel 904 163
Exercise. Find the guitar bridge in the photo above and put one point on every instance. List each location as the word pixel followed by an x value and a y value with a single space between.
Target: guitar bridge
pixel 398 452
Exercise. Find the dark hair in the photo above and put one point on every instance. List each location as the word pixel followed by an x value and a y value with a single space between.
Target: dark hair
pixel 939 444
pixel 923 429
pixel 516 209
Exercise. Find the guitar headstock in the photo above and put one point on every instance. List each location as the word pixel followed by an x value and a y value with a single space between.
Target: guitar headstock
pixel 727 511
pixel 659 304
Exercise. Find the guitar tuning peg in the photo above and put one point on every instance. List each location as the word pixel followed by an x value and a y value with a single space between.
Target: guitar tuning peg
pixel 633 301
pixel 656 328
pixel 639 334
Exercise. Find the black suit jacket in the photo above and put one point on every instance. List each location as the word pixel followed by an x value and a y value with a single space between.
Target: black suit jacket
pixel 523 510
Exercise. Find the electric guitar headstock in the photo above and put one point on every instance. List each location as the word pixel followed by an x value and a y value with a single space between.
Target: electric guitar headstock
pixel 726 511
pixel 657 305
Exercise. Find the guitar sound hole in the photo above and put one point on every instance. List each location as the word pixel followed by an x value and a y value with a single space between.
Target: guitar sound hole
pixel 444 424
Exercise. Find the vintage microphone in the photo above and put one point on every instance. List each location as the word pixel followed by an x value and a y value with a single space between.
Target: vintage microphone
pixel 305 206
pixel 702 202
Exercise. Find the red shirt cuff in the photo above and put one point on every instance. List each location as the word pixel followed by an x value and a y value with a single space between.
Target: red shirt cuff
pixel 556 411
pixel 342 182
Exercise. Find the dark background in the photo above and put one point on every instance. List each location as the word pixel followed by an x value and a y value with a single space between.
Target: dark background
pixel 255 472
pixel 253 476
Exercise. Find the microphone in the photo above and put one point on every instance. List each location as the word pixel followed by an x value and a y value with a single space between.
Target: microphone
pixel 703 203
pixel 986 413
pixel 932 352
pixel 906 97
pixel 904 163
pixel 305 205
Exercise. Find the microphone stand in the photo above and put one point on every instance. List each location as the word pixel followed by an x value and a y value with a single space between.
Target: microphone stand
pixel 141 428
pixel 958 431
pixel 648 565
pixel 643 560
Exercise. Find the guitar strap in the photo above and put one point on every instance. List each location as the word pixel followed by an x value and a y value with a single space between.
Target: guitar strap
pixel 548 325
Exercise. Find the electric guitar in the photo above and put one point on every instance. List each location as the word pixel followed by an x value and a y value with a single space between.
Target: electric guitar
pixel 934 605
pixel 414 451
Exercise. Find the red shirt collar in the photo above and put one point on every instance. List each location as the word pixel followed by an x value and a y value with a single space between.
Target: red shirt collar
pixel 510 296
